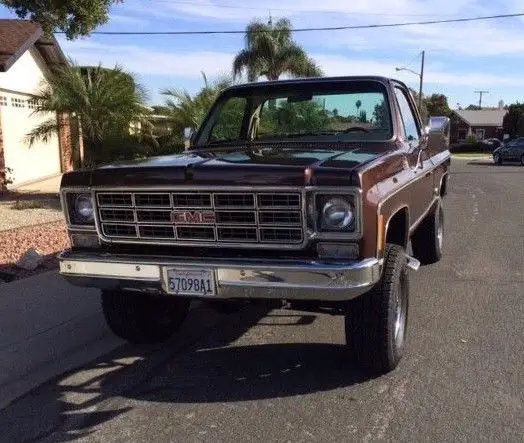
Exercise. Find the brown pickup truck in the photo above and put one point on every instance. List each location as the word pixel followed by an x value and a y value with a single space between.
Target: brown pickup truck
pixel 305 191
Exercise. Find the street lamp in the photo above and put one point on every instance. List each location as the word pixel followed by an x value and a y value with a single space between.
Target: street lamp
pixel 421 77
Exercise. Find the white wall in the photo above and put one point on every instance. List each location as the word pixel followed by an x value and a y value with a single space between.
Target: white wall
pixel 25 77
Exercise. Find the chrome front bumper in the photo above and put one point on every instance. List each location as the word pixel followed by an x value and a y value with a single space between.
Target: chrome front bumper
pixel 292 280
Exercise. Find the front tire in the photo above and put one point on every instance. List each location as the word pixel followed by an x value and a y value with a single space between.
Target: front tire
pixel 376 322
pixel 140 318
pixel 428 238
pixel 497 160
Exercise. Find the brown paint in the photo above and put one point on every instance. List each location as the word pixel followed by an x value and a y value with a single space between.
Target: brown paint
pixel 396 175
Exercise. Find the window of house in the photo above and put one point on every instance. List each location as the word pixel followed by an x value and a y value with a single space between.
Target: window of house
pixel 479 133
pixel 17 102
pixel 462 133
pixel 411 130
pixel 3 100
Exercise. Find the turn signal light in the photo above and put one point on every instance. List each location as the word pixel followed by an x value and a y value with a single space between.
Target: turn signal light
pixel 348 251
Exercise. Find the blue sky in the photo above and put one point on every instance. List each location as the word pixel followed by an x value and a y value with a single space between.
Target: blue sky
pixel 460 58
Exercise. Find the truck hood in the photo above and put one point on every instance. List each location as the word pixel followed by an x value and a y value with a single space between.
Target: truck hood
pixel 272 166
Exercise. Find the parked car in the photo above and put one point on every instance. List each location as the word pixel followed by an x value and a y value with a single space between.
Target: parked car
pixel 286 194
pixel 512 150
pixel 493 143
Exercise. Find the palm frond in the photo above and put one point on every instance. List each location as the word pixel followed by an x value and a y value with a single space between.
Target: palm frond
pixel 43 132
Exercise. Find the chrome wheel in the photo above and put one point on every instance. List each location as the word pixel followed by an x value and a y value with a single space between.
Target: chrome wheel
pixel 401 311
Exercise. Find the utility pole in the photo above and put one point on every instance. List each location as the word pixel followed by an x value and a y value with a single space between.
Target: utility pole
pixel 421 78
pixel 480 97
pixel 421 82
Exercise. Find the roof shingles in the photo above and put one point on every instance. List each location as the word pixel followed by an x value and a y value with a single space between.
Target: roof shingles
pixel 482 117
pixel 16 36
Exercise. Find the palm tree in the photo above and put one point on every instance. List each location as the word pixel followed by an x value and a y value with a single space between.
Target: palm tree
pixel 358 104
pixel 189 110
pixel 101 103
pixel 271 52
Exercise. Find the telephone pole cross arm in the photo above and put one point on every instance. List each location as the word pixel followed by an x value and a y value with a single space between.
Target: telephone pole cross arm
pixel 480 97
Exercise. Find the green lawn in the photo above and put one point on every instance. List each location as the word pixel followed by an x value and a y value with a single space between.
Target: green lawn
pixel 467 155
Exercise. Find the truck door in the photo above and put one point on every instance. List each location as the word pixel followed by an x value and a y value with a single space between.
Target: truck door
pixel 419 158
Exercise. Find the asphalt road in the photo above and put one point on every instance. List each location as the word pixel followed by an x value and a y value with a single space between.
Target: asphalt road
pixel 282 375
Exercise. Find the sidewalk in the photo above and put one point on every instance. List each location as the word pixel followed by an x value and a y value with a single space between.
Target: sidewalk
pixel 47 327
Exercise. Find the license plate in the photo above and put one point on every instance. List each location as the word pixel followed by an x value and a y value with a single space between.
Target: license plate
pixel 199 282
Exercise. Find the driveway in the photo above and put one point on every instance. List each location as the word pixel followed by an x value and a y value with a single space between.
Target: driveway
pixel 283 376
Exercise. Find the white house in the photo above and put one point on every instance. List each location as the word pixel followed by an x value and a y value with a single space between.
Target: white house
pixel 26 58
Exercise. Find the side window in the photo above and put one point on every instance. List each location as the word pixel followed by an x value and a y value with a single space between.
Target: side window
pixel 229 122
pixel 411 129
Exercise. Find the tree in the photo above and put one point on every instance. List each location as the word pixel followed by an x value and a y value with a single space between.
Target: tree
pixel 76 18
pixel 473 108
pixel 513 122
pixel 271 52
pixel 358 104
pixel 422 111
pixel 437 105
pixel 189 110
pixel 102 102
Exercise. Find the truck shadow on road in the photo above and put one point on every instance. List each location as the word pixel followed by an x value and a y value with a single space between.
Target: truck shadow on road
pixel 217 358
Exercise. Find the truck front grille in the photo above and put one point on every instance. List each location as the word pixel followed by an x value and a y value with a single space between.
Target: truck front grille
pixel 197 217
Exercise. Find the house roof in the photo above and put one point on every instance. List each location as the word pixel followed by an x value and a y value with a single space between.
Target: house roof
pixel 482 117
pixel 17 36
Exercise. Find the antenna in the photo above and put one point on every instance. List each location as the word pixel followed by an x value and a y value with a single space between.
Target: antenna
pixel 480 97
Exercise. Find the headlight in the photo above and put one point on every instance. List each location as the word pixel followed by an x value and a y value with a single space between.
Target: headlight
pixel 336 215
pixel 84 207
pixel 80 208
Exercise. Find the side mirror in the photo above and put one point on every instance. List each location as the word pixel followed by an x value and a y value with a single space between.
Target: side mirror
pixel 188 135
pixel 439 125
pixel 438 133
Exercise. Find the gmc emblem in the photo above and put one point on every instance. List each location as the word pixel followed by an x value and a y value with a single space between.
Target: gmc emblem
pixel 193 217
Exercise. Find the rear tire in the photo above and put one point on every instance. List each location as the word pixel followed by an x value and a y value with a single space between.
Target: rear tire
pixel 140 318
pixel 376 322
pixel 427 240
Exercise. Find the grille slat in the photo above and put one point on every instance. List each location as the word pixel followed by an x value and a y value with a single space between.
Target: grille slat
pixel 117 215
pixel 278 200
pixel 152 200
pixel 241 218
pixel 204 233
pixel 157 231
pixel 270 218
pixel 114 230
pixel 191 200
pixel 148 216
pixel 280 217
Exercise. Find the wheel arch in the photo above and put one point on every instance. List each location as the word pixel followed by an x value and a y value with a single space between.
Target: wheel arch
pixel 397 227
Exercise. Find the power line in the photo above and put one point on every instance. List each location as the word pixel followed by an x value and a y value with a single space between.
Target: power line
pixel 326 28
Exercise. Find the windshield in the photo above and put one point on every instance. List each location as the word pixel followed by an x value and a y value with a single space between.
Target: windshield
pixel 353 111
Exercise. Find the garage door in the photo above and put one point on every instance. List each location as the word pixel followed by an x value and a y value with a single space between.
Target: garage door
pixel 28 163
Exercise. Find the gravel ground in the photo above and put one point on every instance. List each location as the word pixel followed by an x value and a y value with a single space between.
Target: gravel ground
pixel 15 218
pixel 47 238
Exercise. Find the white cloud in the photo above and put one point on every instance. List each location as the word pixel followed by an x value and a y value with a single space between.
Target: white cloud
pixel 179 64
pixel 146 62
